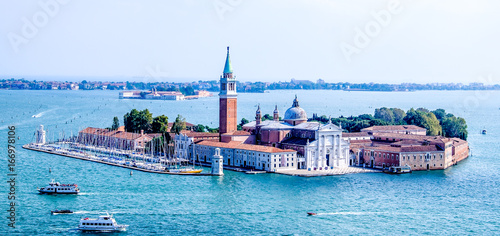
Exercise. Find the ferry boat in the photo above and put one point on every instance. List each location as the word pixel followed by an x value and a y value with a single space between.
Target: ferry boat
pixel 104 223
pixel 56 187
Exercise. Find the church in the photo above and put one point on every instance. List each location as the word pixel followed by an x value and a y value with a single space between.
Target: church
pixel 270 145
pixel 319 146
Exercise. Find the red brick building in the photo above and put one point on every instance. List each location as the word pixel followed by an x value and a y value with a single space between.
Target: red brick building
pixel 420 152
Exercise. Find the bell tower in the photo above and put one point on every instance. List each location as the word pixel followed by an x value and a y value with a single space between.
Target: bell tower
pixel 228 120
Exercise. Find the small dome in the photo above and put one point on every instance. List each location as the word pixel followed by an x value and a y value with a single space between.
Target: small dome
pixel 295 113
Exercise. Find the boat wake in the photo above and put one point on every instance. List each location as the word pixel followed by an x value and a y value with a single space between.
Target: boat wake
pixel 43 113
pixel 97 212
pixel 357 213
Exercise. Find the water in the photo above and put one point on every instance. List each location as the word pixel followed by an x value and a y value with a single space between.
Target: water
pixel 463 199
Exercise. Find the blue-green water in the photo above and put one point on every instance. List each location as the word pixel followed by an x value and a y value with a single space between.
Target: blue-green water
pixel 463 199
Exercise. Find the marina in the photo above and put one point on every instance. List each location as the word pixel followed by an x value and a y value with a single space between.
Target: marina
pixel 145 167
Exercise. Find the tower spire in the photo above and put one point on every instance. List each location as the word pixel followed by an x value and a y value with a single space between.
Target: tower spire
pixel 258 116
pixel 227 67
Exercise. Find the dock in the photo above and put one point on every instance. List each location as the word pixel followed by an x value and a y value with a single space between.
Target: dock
pixel 27 146
pixel 329 172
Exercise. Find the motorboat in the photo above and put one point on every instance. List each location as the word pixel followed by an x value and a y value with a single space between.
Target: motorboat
pixel 398 170
pixel 61 212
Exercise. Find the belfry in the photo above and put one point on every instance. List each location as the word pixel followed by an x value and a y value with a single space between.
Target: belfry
pixel 228 120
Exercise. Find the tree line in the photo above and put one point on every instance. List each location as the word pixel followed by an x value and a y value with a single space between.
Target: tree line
pixel 437 122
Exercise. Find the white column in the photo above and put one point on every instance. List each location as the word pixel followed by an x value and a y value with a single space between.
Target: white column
pixel 339 148
pixel 316 156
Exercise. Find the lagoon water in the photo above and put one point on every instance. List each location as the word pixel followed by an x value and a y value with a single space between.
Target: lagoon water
pixel 464 199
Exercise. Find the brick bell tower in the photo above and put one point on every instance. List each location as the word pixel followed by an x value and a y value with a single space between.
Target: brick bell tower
pixel 228 120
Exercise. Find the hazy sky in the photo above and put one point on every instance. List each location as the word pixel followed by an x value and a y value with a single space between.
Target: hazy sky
pixel 271 40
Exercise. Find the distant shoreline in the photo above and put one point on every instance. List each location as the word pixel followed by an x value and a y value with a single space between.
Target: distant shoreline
pixel 213 86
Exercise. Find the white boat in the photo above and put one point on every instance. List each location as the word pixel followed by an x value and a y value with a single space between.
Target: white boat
pixel 102 224
pixel 184 170
pixel 56 187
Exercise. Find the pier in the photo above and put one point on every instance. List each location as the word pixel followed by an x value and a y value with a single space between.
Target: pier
pixel 39 148
pixel 329 172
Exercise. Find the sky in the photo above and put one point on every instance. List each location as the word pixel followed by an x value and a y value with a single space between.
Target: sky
pixel 357 41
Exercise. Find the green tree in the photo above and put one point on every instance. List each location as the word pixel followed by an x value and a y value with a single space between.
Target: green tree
pixel 423 118
pixel 267 117
pixel 199 128
pixel 454 127
pixel 135 121
pixel 116 123
pixel 244 122
pixel 365 117
pixel 440 114
pixel 399 115
pixel 384 114
pixel 378 122
pixel 160 124
pixel 178 125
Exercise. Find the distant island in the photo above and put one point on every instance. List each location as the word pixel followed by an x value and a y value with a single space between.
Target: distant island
pixel 190 88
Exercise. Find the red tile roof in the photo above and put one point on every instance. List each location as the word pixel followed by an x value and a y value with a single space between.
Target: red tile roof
pixel 242 146
pixel 112 133
pixel 355 134
pixel 394 127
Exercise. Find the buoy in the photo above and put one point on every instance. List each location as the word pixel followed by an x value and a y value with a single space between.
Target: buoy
pixel 130 173
pixel 50 170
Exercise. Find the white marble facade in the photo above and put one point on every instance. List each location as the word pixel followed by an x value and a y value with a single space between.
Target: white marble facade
pixel 328 150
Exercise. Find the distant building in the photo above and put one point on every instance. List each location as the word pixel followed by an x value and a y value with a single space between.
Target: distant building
pixel 153 94
pixel 396 129
pixel 130 94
